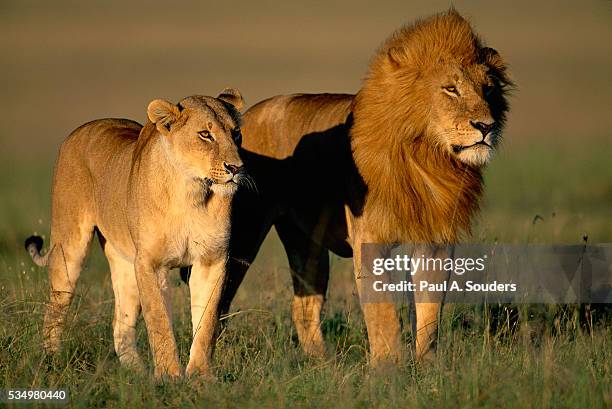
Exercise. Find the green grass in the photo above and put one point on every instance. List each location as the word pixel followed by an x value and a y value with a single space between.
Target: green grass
pixel 543 358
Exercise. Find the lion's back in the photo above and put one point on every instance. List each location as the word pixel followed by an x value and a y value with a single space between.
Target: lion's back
pixel 275 126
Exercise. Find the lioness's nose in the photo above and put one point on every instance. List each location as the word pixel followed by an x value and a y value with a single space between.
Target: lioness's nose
pixel 484 128
pixel 233 169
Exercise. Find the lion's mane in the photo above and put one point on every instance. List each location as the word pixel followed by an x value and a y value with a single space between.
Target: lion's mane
pixel 416 191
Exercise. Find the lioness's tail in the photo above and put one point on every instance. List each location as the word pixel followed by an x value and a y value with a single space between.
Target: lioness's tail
pixel 33 245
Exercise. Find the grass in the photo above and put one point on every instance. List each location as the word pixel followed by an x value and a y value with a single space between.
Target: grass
pixel 533 356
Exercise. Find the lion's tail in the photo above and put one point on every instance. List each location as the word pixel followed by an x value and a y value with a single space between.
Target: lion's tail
pixel 33 245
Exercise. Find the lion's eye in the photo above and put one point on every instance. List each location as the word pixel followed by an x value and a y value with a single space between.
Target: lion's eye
pixel 451 89
pixel 206 136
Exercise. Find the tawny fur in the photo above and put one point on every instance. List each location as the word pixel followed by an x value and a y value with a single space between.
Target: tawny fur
pixel 159 197
pixel 410 177
pixel 398 162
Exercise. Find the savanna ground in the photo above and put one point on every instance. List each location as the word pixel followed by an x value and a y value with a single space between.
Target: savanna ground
pixel 487 358
pixel 64 63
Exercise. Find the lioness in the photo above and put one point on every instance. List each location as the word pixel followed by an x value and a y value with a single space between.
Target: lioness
pixel 159 197
pixel 400 161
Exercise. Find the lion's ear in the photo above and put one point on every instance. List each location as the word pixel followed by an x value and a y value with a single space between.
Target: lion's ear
pixel 492 58
pixel 163 114
pixel 232 96
pixel 395 56
pixel 497 66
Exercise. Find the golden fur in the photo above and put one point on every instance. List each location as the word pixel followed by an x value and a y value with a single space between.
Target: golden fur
pixel 435 189
pixel 159 197
pixel 399 162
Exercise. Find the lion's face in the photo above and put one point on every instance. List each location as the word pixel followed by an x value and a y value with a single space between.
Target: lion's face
pixel 203 136
pixel 464 119
pixel 435 82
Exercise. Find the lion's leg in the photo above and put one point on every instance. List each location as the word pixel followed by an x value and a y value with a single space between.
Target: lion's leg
pixel 69 245
pixel 236 272
pixel 206 285
pixel 157 318
pixel 426 329
pixel 309 265
pixel 252 217
pixel 382 323
pixel 310 288
pixel 127 308
pixel 429 305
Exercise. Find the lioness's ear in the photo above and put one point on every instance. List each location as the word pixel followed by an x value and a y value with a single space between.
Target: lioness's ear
pixel 232 96
pixel 163 114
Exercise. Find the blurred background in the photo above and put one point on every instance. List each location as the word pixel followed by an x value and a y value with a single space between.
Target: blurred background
pixel 67 62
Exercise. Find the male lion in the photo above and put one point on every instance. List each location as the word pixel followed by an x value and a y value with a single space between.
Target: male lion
pixel 159 197
pixel 400 161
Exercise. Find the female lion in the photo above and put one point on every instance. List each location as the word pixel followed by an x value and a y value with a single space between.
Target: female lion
pixel 159 197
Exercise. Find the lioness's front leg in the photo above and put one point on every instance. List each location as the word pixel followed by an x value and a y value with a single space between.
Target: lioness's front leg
pixel 206 285
pixel 127 308
pixel 157 318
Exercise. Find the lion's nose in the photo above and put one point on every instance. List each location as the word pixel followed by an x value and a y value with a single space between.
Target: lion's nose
pixel 233 169
pixel 484 128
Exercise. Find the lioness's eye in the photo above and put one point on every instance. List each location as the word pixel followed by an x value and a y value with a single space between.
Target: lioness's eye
pixel 206 136
pixel 451 89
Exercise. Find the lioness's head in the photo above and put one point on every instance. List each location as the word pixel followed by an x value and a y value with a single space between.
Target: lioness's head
pixel 202 135
pixel 442 86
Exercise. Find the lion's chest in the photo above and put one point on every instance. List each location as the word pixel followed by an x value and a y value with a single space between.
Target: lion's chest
pixel 196 237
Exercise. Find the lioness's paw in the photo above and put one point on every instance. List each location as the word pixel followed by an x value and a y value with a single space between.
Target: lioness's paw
pixel 427 358
pixel 133 363
pixel 168 375
pixel 51 346
pixel 199 374
pixel 166 378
